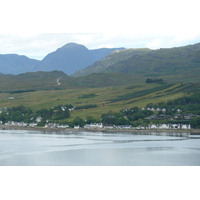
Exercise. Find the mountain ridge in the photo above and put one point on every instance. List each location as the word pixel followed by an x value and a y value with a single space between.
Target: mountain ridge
pixel 68 58
pixel 177 60
pixel 71 57
pixel 16 64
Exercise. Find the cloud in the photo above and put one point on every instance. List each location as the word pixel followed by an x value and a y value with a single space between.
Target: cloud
pixel 38 45
pixel 37 28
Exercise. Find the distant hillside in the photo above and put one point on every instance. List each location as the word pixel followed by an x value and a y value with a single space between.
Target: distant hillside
pixel 180 61
pixel 35 81
pixel 58 80
pixel 16 64
pixel 71 57
pixel 105 80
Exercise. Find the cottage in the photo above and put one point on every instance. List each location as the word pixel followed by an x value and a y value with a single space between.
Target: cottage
pixel 62 126
pixel 38 119
pixel 124 127
pixel 109 127
pixel 51 125
pixel 179 110
pixel 71 109
pixel 33 124
pixel 94 126
pixel 164 126
pixel 140 128
pixel 152 126
pixel 186 126
pixel 63 108
pixel 177 116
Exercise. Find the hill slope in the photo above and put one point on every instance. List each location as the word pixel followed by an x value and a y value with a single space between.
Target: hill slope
pixel 110 60
pixel 181 61
pixel 35 81
pixel 58 80
pixel 70 58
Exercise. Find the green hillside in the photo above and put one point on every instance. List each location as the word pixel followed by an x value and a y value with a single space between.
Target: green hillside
pixel 174 64
pixel 34 81
pixel 113 98
pixel 57 80
pixel 110 60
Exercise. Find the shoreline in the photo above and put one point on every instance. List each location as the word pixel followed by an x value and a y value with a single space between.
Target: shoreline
pixel 191 131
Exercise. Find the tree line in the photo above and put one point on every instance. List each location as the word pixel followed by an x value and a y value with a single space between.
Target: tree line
pixel 156 80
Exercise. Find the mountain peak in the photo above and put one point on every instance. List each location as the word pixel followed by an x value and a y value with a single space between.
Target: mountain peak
pixel 72 45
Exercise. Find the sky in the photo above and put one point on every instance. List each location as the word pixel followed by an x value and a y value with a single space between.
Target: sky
pixel 36 28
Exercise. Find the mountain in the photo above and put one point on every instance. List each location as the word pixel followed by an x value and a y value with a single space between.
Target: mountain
pixel 179 61
pixel 16 64
pixel 112 59
pixel 71 57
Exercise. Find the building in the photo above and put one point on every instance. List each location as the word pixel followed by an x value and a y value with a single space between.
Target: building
pixel 94 126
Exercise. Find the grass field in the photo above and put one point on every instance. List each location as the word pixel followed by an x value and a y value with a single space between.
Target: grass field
pixel 100 96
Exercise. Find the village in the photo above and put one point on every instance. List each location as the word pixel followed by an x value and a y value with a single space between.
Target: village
pixel 156 121
pixel 100 126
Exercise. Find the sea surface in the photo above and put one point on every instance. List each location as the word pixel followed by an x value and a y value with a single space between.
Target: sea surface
pixel 38 148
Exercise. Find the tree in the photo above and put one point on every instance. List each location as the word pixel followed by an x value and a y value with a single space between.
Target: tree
pixel 122 121
pixel 90 119
pixel 134 109
pixel 79 122
pixel 195 122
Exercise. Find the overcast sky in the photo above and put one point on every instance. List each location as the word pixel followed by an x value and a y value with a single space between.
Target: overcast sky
pixel 36 28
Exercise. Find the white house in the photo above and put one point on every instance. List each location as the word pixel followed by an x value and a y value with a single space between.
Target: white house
pixel 38 119
pixel 140 128
pixel 186 126
pixel 109 126
pixel 94 126
pixel 62 126
pixel 164 126
pixel 124 127
pixel 33 124
pixel 179 110
pixel 152 126
pixel 51 125
pixel 63 108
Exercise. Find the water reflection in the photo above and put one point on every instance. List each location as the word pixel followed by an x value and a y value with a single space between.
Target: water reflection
pixel 97 148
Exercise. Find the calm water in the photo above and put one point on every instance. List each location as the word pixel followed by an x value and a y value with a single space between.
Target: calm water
pixel 34 148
